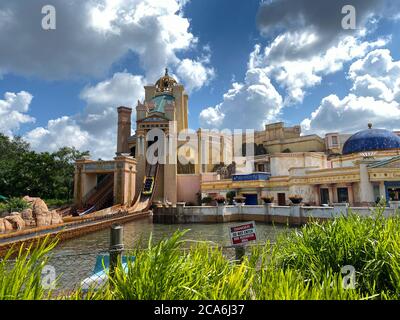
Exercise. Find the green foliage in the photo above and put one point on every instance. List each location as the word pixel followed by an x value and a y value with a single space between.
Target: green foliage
pixel 303 265
pixel 206 200
pixel 45 175
pixel 371 245
pixel 20 279
pixel 170 270
pixel 16 205
pixel 56 202
pixel 230 195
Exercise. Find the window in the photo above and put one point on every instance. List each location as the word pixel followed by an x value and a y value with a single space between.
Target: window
pixel 343 195
pixel 324 196
pixel 334 140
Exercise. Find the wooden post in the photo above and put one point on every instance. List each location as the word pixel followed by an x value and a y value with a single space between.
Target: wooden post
pixel 116 246
pixel 240 252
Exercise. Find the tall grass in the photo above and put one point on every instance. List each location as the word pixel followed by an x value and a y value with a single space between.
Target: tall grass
pixel 303 265
pixel 371 245
pixel 20 277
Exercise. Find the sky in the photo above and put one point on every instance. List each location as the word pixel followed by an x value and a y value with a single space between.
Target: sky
pixel 243 63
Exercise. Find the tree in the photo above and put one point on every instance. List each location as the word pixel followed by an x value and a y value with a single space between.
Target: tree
pixel 46 175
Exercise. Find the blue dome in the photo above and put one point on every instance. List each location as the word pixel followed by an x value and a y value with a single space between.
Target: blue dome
pixel 371 140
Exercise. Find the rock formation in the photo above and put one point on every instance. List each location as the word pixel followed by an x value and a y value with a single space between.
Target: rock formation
pixel 16 221
pixel 5 225
pixel 37 215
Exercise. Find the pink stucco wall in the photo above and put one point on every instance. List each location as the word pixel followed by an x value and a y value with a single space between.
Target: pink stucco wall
pixel 188 187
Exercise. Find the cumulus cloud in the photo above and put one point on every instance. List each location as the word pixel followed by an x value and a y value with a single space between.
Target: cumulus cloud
pixel 91 36
pixel 374 98
pixel 309 42
pixel 322 19
pixel 306 43
pixel 246 105
pixel 13 111
pixel 194 74
pixel 295 76
pixel 95 127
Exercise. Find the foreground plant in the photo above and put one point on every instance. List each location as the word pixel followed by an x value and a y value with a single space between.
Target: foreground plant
pixel 370 245
pixel 21 277
pixel 303 265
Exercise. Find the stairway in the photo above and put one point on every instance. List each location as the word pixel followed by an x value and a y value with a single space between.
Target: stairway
pixel 102 195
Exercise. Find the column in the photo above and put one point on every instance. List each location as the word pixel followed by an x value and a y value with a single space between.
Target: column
pixel 331 191
pixel 382 190
pixel 124 129
pixel 351 194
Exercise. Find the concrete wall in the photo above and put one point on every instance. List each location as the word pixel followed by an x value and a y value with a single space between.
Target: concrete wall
pixel 188 187
pixel 293 215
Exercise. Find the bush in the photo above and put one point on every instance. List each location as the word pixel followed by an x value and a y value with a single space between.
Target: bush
pixel 230 195
pixel 16 205
pixel 371 245
pixel 206 200
pixel 57 202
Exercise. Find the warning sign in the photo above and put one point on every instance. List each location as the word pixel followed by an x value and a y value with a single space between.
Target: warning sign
pixel 243 233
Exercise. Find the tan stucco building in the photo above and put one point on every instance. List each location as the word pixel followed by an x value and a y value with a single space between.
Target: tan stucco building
pixel 353 168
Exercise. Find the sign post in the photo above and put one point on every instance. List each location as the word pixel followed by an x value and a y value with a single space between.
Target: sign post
pixel 240 236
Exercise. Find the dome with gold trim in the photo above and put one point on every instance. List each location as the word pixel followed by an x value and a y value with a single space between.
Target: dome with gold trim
pixel 371 140
pixel 165 83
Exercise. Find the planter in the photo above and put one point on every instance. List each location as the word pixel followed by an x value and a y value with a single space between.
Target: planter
pixel 296 200
pixel 268 200
pixel 220 200
pixel 240 199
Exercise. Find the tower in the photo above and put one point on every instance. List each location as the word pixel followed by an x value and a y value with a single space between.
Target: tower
pixel 165 107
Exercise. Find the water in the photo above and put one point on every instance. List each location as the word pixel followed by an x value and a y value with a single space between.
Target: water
pixel 140 230
pixel 74 259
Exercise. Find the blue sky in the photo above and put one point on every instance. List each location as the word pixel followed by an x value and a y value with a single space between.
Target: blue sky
pixel 244 63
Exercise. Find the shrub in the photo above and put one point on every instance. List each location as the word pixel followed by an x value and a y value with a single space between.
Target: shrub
pixel 57 202
pixel 230 195
pixel 16 204
pixel 206 200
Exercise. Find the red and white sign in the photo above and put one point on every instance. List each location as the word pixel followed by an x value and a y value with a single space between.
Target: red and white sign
pixel 243 233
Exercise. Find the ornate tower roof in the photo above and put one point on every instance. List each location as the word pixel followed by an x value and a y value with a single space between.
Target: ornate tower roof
pixel 165 83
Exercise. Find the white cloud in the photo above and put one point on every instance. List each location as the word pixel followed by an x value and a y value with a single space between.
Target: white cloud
pixel 95 128
pixel 299 74
pixel 256 101
pixel 194 74
pixel 13 111
pixel 374 98
pixel 246 105
pixel 91 36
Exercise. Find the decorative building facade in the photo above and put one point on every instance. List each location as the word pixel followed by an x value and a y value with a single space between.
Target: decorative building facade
pixel 339 168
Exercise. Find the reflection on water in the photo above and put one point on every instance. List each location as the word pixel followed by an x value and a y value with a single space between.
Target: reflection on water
pixel 74 260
